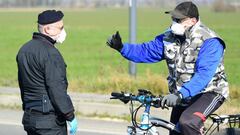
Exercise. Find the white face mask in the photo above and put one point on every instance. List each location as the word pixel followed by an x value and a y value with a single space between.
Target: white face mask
pixel 177 29
pixel 61 37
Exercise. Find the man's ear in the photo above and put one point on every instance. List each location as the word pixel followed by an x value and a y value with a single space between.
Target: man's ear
pixel 47 30
pixel 194 20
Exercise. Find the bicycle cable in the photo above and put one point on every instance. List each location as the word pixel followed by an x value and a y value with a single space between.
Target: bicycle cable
pixel 135 123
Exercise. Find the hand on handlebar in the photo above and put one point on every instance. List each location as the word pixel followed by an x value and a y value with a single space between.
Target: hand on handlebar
pixel 157 104
pixel 171 100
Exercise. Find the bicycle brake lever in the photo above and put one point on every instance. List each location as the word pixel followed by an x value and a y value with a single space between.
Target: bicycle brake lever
pixel 113 98
pixel 124 101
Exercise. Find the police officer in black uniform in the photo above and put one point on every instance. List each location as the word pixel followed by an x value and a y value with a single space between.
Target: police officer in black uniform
pixel 42 80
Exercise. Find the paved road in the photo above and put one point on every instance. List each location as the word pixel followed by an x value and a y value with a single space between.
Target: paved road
pixel 10 124
pixel 18 130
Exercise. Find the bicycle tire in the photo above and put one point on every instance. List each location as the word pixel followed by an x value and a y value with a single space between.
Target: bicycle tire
pixel 228 131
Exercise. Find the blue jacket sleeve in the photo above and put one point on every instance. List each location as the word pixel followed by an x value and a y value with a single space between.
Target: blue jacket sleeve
pixel 149 52
pixel 207 62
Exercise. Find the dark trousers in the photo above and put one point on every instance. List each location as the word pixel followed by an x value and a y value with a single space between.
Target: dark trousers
pixel 43 124
pixel 190 119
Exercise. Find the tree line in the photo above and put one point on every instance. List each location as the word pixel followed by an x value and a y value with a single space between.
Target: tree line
pixel 91 3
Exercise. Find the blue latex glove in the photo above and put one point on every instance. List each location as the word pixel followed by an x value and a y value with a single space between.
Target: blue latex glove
pixel 73 126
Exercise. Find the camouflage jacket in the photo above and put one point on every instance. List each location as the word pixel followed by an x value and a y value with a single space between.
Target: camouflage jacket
pixel 181 59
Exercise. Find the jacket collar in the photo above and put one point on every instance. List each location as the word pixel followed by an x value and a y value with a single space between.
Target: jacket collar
pixel 41 36
pixel 191 32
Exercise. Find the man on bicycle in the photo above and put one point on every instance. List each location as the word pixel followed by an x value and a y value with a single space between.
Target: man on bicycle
pixel 194 56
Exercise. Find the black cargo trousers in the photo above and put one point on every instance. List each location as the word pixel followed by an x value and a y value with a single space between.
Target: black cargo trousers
pixel 190 119
pixel 37 123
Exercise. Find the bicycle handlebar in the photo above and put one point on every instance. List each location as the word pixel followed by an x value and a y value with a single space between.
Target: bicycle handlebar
pixel 144 96
pixel 116 94
pixel 147 99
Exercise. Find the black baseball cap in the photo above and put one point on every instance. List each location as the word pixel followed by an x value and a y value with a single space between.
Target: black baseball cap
pixel 50 16
pixel 184 10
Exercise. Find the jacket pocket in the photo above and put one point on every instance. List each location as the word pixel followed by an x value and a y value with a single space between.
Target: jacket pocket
pixel 45 124
pixel 44 121
pixel 189 55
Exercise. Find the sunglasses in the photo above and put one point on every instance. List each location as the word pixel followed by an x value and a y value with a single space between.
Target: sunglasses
pixel 177 20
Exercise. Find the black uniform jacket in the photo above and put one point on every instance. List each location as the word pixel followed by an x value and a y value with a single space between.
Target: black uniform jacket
pixel 42 75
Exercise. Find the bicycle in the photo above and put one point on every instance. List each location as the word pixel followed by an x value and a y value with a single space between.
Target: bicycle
pixel 149 124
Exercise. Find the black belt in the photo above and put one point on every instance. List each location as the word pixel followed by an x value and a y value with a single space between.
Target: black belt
pixel 33 111
pixel 31 104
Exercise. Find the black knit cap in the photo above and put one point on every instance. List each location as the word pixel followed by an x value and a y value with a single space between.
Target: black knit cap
pixel 50 16
pixel 184 10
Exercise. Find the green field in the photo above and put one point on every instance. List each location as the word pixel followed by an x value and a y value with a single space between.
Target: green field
pixel 92 66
